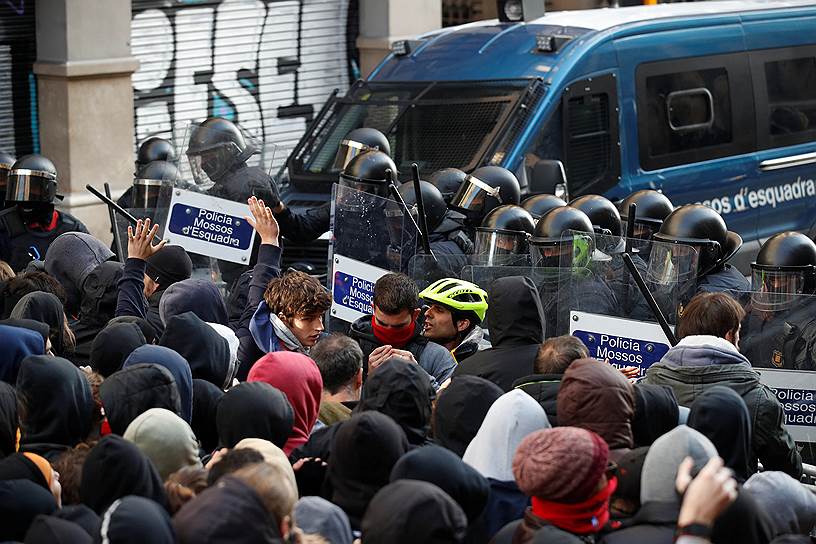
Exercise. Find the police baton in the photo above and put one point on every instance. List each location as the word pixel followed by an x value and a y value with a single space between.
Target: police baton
pixel 423 219
pixel 398 197
pixel 117 240
pixel 661 319
pixel 115 207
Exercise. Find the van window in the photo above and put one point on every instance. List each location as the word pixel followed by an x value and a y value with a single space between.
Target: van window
pixel 791 86
pixel 694 109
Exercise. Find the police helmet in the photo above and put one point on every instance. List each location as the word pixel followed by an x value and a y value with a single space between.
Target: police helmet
pixel 557 232
pixel 154 149
pixel 6 162
pixel 784 267
pixel 148 181
pixel 601 212
pixel 367 172
pixel 506 230
pixel 485 189
pixel 448 181
pixel 652 207
pixel 214 147
pixel 32 179
pixel 538 205
pixel 358 141
pixel 701 228
pixel 432 200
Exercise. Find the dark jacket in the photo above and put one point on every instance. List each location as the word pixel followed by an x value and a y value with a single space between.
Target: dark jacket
pixel 52 530
pixel 435 359
pixel 137 519
pixel 531 528
pixel 206 397
pixel 175 364
pixel 99 299
pixel 8 419
pixel 698 362
pixel 461 409
pixel 656 413
pixel 516 323
pixel 254 410
pixel 45 308
pixel 20 243
pixel 113 345
pixel 302 226
pixel 152 314
pixel 267 268
pixel 133 390
pixel 544 389
pixel 20 502
pixel 206 351
pixel 58 405
pixel 727 280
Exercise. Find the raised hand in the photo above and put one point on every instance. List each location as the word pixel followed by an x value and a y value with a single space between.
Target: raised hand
pixel 140 240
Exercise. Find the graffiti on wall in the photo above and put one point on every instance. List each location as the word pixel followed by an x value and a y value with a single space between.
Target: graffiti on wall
pixel 269 65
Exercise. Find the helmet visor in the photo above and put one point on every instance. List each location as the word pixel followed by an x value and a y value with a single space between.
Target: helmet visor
pixel 30 186
pixel 472 194
pixel 347 150
pixel 496 248
pixel 371 187
pixel 210 165
pixel 776 289
pixel 672 263
pixel 146 192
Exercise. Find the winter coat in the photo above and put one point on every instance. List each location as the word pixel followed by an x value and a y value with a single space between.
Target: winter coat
pixel 70 258
pixel 698 362
pixel 137 519
pixel 656 413
pixel 516 323
pixel 18 343
pixel 254 410
pixel 531 528
pixel 113 345
pixel 178 367
pixel 544 389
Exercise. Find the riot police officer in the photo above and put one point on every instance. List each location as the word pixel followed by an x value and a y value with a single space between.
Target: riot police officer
pixel 6 162
pixel 538 205
pixel 780 328
pixel 652 209
pixel 503 237
pixel 483 190
pixel 713 245
pixel 448 181
pixel 306 225
pixel 152 149
pixel 561 249
pixel 29 226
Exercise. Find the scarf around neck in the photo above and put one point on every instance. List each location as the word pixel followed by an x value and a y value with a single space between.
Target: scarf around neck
pixel 581 518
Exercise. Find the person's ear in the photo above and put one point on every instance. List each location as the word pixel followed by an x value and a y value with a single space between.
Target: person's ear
pixel 358 379
pixel 285 526
pixel 462 325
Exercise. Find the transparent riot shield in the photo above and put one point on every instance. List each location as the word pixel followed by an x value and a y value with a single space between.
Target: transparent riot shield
pixel 371 236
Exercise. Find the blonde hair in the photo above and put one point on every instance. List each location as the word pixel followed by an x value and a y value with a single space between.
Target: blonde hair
pixel 274 487
pixel 6 272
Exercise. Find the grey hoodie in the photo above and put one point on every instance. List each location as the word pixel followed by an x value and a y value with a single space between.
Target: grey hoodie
pixel 697 363
pixel 790 507
pixel 70 258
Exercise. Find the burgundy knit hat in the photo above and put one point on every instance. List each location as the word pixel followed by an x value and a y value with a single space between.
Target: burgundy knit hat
pixel 563 464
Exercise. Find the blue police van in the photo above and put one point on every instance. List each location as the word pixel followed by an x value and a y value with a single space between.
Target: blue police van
pixel 710 102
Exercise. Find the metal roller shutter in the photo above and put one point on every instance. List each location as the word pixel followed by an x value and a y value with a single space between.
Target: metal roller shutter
pixel 18 86
pixel 267 65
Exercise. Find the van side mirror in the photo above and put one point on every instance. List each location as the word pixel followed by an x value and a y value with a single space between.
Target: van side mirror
pixel 549 177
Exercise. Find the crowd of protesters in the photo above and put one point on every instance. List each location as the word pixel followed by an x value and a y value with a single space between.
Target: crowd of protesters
pixel 136 405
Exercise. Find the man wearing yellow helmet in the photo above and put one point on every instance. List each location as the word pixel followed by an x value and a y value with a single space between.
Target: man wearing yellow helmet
pixel 455 310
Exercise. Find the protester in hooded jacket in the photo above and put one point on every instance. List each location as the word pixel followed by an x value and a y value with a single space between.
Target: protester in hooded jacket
pixel 403 392
pixel 554 357
pixel 707 355
pixel 82 516
pixel 32 467
pixel 564 471
pixel 70 258
pixel 128 393
pixel 408 511
pixel 512 417
pixel 597 397
pixel 516 324
pixel 18 343
pixel 364 450
pixel 166 439
pixel 167 266
pixel 460 410
pixel 21 501
pixel 297 377
pixel 8 419
pixel 178 367
pixel 56 405
pixel 147 331
pixel 47 308
pixel 135 519
pixel 99 294
pixel 51 530
pixel 206 397
pixel 317 516
pixel 721 415
pixel 114 469
pixel 113 345
pixel 790 506
pixel 34 326
pixel 206 351
pixel 254 410
pixel 656 413
pixel 441 467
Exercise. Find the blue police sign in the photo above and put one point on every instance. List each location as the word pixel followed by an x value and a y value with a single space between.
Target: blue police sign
pixel 353 288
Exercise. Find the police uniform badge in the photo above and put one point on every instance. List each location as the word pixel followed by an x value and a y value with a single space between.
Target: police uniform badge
pixel 776 358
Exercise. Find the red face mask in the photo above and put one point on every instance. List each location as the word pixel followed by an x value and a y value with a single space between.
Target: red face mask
pixel 397 337
pixel 582 518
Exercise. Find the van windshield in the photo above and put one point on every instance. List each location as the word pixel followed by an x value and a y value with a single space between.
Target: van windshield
pixel 461 124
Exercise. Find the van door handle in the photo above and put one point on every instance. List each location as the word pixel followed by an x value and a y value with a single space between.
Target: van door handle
pixel 787 162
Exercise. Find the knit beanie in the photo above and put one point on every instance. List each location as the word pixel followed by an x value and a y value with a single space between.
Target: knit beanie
pixel 563 464
pixel 169 265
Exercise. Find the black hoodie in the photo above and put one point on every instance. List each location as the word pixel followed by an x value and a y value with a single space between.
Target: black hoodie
pixel 8 419
pixel 45 308
pixel 656 413
pixel 403 392
pixel 254 410
pixel 98 307
pixel 58 405
pixel 134 520
pixel 131 391
pixel 461 409
pixel 113 345
pixel 51 530
pixel 206 351
pixel 206 397
pixel 114 469
pixel 20 502
pixel 516 323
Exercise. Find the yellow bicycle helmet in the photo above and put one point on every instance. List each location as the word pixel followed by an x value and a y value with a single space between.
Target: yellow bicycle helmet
pixel 458 296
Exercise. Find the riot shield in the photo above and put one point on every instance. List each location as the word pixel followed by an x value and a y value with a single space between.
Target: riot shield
pixel 371 236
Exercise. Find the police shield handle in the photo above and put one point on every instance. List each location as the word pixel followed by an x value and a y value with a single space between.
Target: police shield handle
pixel 263 221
